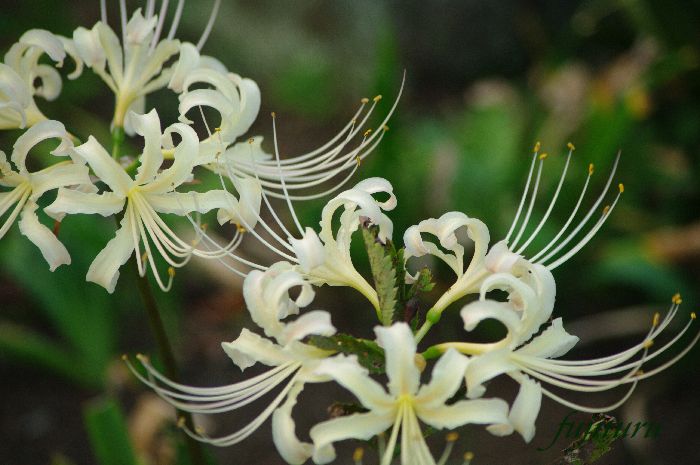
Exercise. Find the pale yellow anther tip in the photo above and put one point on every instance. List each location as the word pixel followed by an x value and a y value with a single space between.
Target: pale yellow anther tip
pixel 639 373
pixel 571 146
pixel 543 156
pixel 655 321
pixel 367 133
pixel 125 357
pixel 693 316
pixel 591 168
pixel 451 436
pixel 358 454
pixel 648 343
pixel 358 160
pixel 468 456
pixel 377 98
pixel 621 187
pixel 606 209
pixel 273 114
pixel 251 140
pixel 364 100
pixel 537 146
pixel 420 362
pixel 181 422
pixel 385 128
pixel 217 129
pixel 676 299
pixel 171 272
pixel 240 228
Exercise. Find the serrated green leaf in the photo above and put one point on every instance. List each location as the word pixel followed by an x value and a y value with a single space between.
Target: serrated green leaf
pixel 384 275
pixel 368 353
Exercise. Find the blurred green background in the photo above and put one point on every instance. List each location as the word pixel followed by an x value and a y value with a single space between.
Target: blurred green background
pixel 484 81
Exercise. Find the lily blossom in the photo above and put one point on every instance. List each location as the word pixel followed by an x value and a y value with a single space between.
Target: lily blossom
pixel 27 187
pixel 142 198
pixel 22 77
pixel 533 361
pixel 404 403
pixel 294 362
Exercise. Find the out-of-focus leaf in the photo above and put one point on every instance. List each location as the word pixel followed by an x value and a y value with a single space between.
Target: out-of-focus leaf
pixel 107 430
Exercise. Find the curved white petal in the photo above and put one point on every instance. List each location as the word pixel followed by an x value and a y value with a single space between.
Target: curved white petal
pixel 485 367
pixel 186 153
pixel 314 322
pixel 292 450
pixel 52 249
pixel 552 343
pixel 138 29
pixel 465 412
pixel 249 349
pixel 474 313
pixel 71 201
pixel 525 408
pixel 182 203
pixel 38 133
pixel 445 380
pixel 362 426
pixel 59 175
pixel 187 61
pixel 104 269
pixel 400 353
pixel 308 250
pixel 347 372
pixel 500 259
pixel 45 41
pixel 105 167
pixel 90 51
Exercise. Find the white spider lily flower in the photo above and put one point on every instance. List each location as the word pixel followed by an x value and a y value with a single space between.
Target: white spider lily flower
pixel 27 187
pixel 294 363
pixel 523 357
pixel 22 77
pixel 133 67
pixel 404 403
pixel 149 193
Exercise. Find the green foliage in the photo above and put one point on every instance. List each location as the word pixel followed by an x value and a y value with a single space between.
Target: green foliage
pixel 368 353
pixel 106 427
pixel 594 444
pixel 382 264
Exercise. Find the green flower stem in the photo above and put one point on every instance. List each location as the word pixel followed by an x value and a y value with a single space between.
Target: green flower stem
pixel 165 351
pixel 118 137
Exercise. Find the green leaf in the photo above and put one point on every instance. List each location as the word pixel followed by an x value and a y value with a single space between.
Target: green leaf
pixel 368 353
pixel 109 438
pixel 384 274
pixel 594 444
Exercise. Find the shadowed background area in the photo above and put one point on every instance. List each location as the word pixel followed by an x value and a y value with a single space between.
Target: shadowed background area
pixel 484 81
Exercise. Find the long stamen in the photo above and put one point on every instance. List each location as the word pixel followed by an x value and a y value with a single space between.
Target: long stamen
pixel 284 187
pixel 159 26
pixel 536 151
pixel 122 12
pixel 532 200
pixel 209 26
pixel 551 205
pixel 103 11
pixel 176 19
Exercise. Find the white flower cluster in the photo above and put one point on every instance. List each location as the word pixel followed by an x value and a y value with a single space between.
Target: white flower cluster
pixel 530 352
pixel 137 189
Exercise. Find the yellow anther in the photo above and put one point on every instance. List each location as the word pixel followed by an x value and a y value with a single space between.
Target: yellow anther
pixel 144 257
pixel 141 357
pixel 273 114
pixel 452 436
pixel 655 321
pixel 217 129
pixel 676 299
pixel 353 121
pixel 124 357
pixel 204 227
pixel 377 98
pixel 251 140
pixel 621 187
pixel 639 373
pixel 385 128
pixel 543 156
pixel 648 343
pixel 199 430
pixel 358 160
pixel 240 228
pixel 468 456
pixel 571 146
pixel 365 100
pixel 606 209
pixel 536 148
pixel 181 422
pixel 591 168
pixel 358 454
pixel 693 315
pixel 171 272
pixel 367 132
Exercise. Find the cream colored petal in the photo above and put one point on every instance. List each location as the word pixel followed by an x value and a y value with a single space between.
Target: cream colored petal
pixel 474 313
pixel 292 450
pixel 71 201
pixel 314 322
pixel 59 175
pixel 105 167
pixel 308 250
pixel 249 349
pixel 552 343
pixel 148 127
pixel 45 41
pixel 361 426
pixel 182 203
pixel 104 270
pixel 484 367
pixel 113 52
pixel 400 353
pixel 445 380
pixel 51 248
pixel 36 134
pixel 525 408
pixel 465 412
pixel 185 155
pixel 347 372
pixel 87 43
